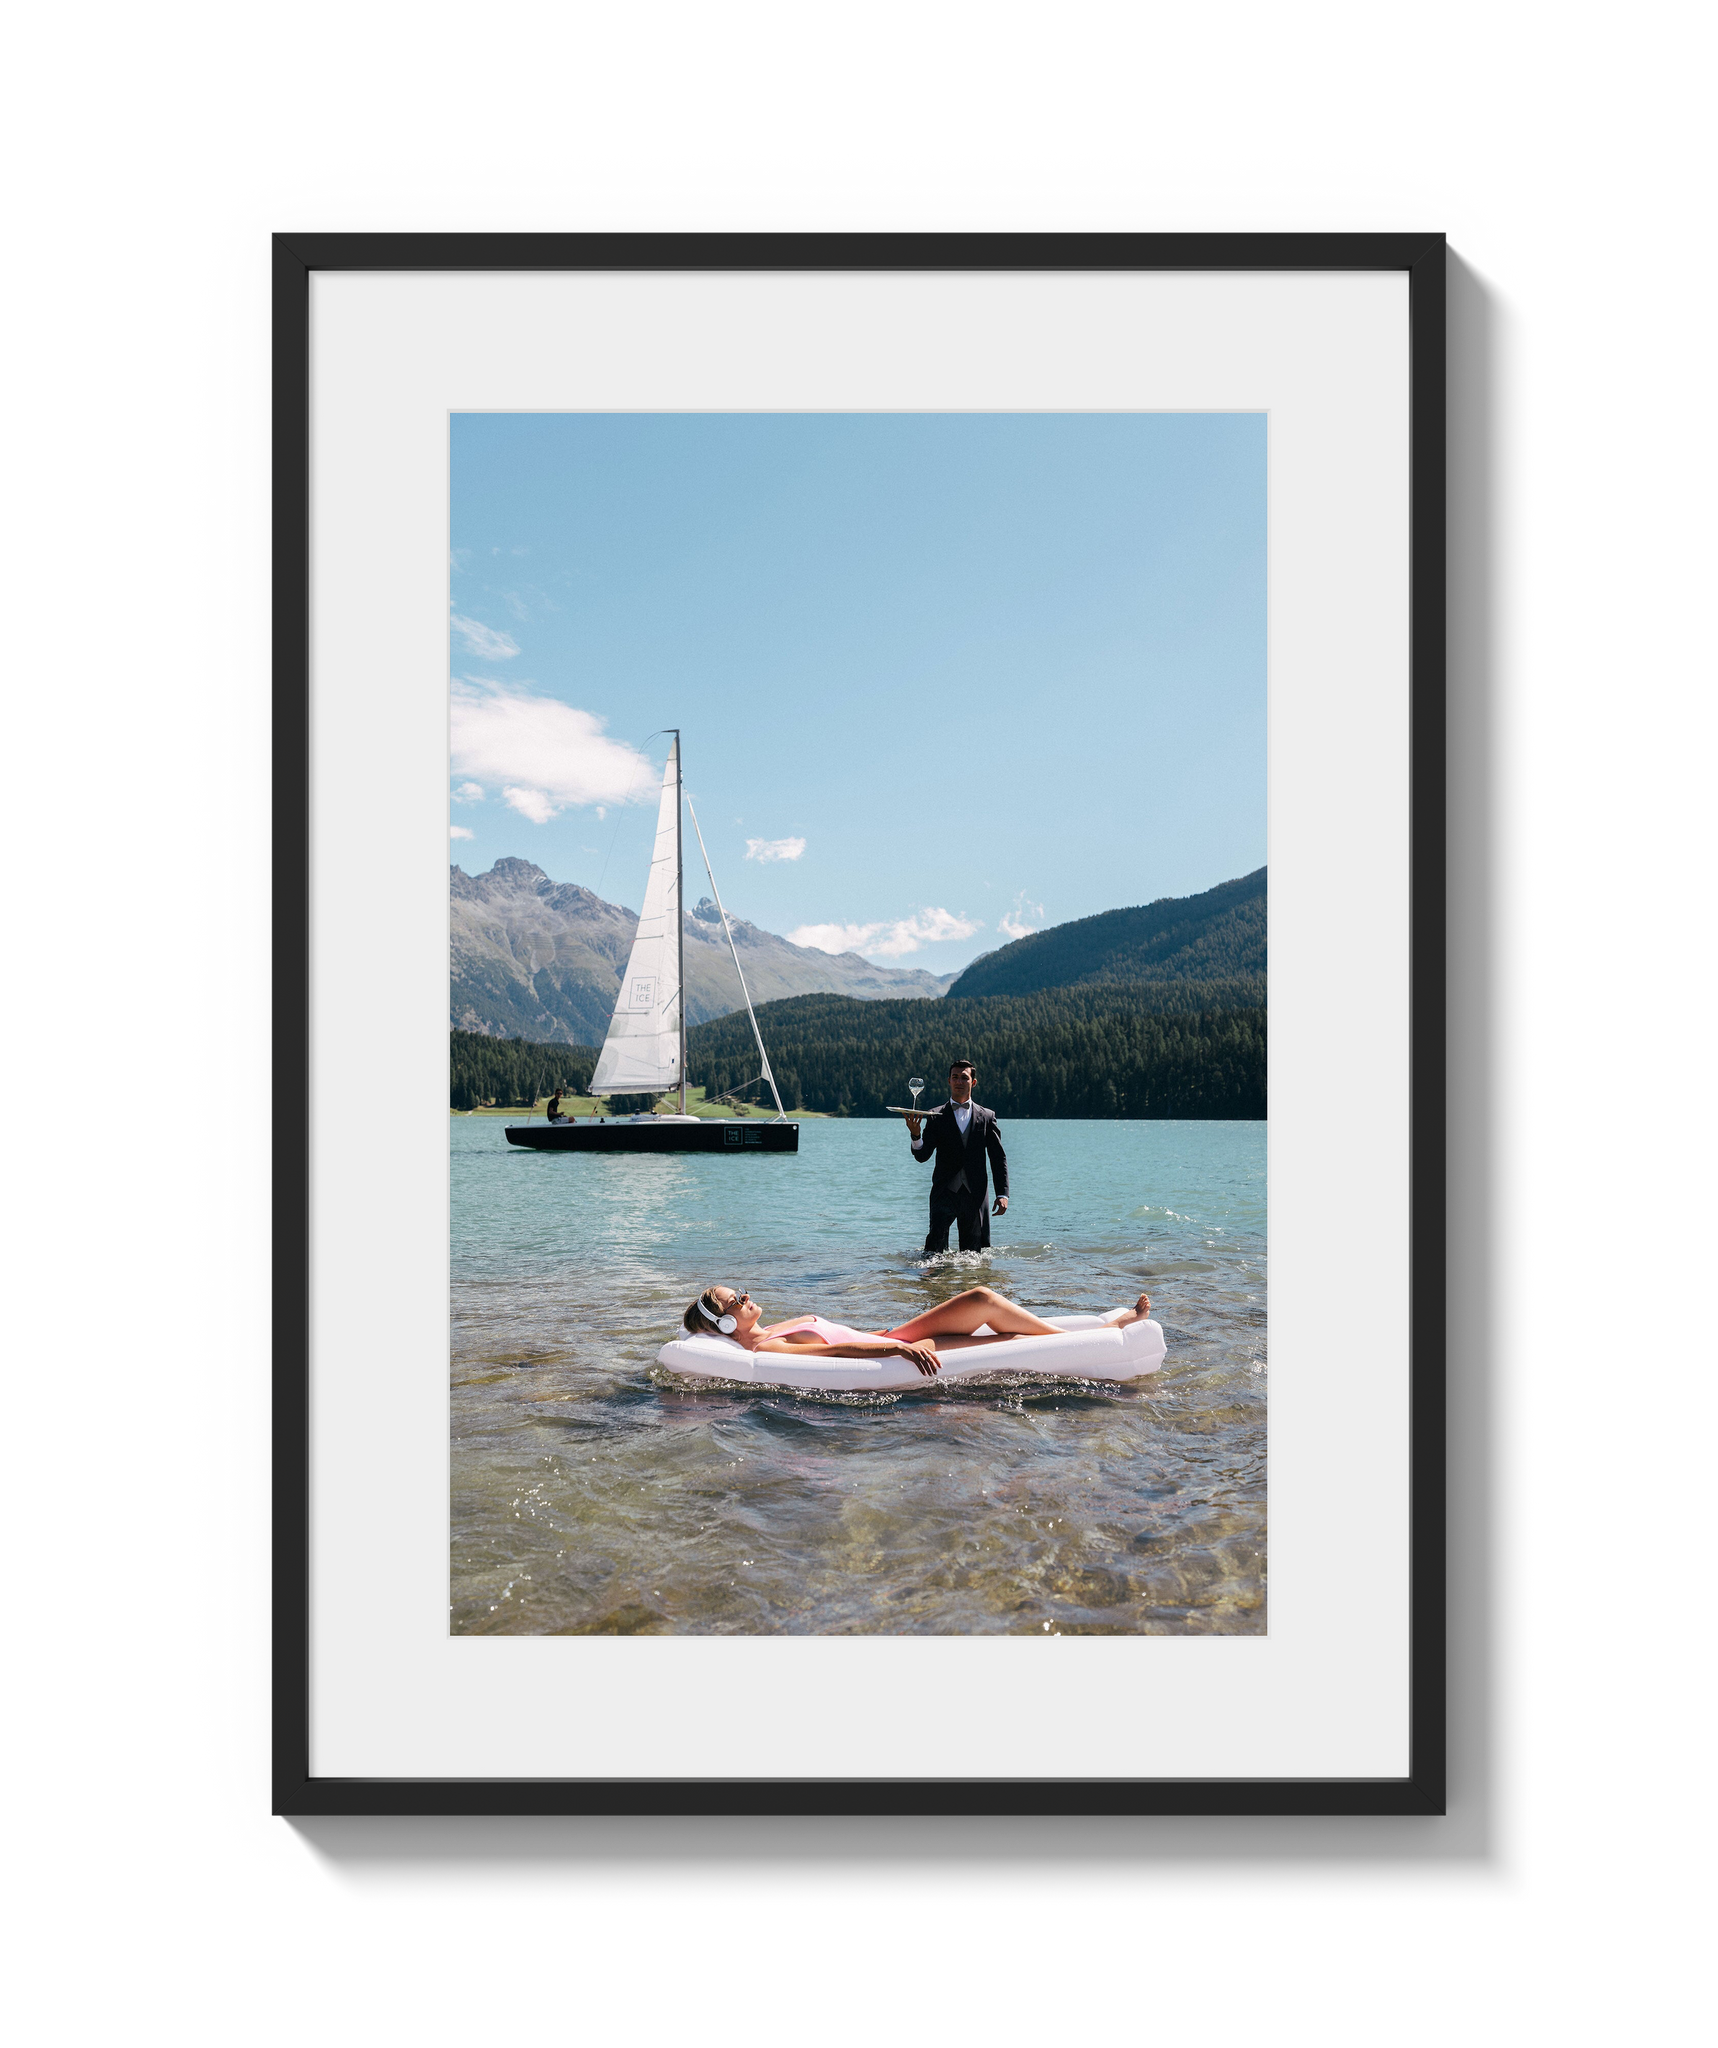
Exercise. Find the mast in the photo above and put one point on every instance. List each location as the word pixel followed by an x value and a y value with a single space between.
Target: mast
pixel 768 1073
pixel 680 910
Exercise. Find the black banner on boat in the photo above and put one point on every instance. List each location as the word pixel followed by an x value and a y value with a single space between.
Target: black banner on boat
pixel 714 1134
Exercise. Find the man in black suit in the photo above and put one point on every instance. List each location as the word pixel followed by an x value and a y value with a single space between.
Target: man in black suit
pixel 960 1136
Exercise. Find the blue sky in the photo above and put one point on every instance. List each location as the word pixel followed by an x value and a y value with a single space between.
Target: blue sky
pixel 941 678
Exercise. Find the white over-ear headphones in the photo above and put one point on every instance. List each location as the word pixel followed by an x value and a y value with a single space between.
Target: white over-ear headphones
pixel 726 1324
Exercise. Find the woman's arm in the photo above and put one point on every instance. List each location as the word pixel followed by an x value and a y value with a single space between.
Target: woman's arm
pixel 924 1356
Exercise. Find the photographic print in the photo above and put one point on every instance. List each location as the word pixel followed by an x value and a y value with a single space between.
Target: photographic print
pixel 857 1014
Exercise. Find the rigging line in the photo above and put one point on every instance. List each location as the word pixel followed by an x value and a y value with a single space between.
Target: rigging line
pixel 768 1073
pixel 734 1094
pixel 619 815
pixel 620 812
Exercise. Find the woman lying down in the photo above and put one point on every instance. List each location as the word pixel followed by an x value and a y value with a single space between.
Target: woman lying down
pixel 950 1326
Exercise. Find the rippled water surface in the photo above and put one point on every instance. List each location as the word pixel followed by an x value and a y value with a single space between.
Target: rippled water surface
pixel 594 1492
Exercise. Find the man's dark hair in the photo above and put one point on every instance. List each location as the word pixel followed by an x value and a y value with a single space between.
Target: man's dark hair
pixel 954 1066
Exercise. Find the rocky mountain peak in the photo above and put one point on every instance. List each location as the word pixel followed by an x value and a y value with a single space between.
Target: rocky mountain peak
pixel 509 872
pixel 543 959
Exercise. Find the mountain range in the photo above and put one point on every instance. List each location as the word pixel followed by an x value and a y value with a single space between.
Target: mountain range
pixel 1213 942
pixel 543 960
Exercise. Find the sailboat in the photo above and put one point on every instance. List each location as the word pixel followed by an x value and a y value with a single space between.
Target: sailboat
pixel 645 1050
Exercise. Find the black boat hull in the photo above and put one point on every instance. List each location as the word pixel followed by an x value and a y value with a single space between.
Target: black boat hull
pixel 733 1139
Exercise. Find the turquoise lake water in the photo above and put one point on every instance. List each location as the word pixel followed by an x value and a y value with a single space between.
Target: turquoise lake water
pixel 593 1492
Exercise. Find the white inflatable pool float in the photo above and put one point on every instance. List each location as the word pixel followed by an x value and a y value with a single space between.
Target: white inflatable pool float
pixel 1085 1348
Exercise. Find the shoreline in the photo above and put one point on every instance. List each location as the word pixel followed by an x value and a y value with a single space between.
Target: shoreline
pixel 587 1107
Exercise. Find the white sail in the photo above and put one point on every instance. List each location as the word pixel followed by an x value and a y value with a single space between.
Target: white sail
pixel 641 1054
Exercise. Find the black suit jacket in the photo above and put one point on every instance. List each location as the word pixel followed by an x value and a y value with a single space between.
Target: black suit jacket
pixel 940 1139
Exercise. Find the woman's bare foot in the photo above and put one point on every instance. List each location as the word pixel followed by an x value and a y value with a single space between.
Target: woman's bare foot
pixel 1137 1314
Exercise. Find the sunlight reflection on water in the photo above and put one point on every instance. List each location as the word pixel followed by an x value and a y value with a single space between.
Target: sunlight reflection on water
pixel 593 1492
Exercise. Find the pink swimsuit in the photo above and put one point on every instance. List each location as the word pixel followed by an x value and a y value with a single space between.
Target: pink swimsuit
pixel 827 1332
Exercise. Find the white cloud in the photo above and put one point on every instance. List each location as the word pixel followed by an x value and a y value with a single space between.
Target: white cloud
pixel 459 832
pixel 774 849
pixel 534 804
pixel 1013 923
pixel 469 793
pixel 832 938
pixel 486 644
pixel 546 756
pixel 889 938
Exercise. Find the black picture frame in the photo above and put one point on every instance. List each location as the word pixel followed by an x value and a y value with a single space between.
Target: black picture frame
pixel 295 258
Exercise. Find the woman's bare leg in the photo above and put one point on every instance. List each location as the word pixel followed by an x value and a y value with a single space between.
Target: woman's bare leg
pixel 961 1316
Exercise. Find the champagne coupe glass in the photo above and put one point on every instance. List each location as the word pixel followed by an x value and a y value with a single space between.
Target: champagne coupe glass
pixel 917 1087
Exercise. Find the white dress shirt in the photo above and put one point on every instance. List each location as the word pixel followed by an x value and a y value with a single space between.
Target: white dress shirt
pixel 962 1117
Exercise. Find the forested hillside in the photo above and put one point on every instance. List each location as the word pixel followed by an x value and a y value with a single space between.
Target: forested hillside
pixel 1089 1052
pixel 1213 943
pixel 513 1072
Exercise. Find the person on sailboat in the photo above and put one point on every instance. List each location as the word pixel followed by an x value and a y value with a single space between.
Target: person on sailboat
pixel 960 1135
pixel 555 1116
pixel 950 1326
